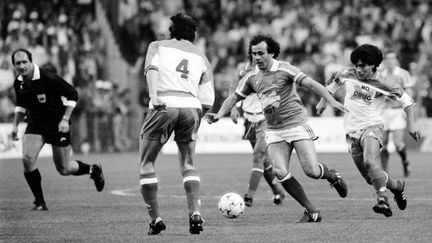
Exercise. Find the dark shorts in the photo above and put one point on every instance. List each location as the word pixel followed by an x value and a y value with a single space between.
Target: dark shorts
pixel 159 125
pixel 50 135
pixel 252 130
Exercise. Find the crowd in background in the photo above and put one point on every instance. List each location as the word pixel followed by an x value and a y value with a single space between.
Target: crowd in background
pixel 316 36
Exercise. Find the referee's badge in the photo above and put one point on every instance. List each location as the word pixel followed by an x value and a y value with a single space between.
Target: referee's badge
pixel 41 98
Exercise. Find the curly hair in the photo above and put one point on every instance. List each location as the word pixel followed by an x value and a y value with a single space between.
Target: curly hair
pixel 368 54
pixel 183 27
pixel 273 46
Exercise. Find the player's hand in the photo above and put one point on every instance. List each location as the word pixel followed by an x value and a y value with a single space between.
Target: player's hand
pixel 14 133
pixel 321 106
pixel 63 126
pixel 159 104
pixel 338 106
pixel 415 134
pixel 234 114
pixel 211 118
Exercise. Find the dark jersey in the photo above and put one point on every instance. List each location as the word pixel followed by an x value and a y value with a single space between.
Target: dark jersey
pixel 44 98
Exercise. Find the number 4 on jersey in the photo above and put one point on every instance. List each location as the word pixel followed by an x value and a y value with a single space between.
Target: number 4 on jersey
pixel 182 67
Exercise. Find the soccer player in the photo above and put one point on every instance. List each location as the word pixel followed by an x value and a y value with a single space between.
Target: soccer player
pixel 47 102
pixel 254 126
pixel 394 116
pixel 366 91
pixel 274 83
pixel 180 82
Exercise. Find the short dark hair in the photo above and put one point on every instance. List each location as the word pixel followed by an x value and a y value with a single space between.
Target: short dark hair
pixel 368 54
pixel 273 46
pixel 29 55
pixel 183 27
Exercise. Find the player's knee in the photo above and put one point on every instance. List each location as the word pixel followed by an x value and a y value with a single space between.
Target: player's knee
pixel 313 172
pixel 279 172
pixel 63 171
pixel 399 146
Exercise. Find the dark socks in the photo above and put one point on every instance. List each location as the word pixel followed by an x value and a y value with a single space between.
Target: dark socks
pixel 83 168
pixel 293 187
pixel 34 181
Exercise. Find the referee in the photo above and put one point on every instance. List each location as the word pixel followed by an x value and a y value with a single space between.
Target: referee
pixel 46 101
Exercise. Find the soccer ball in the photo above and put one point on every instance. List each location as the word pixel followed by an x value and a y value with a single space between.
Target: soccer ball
pixel 231 205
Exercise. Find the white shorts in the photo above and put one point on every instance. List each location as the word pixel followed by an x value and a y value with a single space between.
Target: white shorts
pixel 290 135
pixel 394 119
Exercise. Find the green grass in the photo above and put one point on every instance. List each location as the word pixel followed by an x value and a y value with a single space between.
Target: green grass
pixel 77 213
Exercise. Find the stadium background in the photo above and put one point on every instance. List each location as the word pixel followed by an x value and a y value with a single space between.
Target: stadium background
pixel 99 45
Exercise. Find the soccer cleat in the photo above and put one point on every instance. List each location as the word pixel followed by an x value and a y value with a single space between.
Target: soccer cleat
pixel 97 176
pixel 248 200
pixel 156 226
pixel 195 223
pixel 39 206
pixel 406 168
pixel 339 184
pixel 399 195
pixel 278 198
pixel 383 207
pixel 310 217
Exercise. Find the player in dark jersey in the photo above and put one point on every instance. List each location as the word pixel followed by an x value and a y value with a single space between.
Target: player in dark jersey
pixel 254 127
pixel 46 101
pixel 274 83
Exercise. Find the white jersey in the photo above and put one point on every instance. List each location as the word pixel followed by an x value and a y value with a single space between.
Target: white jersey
pixel 185 74
pixel 365 99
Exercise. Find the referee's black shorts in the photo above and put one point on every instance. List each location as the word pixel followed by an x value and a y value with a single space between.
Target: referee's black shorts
pixel 50 135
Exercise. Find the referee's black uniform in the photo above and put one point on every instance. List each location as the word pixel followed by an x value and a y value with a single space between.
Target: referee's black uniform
pixel 44 99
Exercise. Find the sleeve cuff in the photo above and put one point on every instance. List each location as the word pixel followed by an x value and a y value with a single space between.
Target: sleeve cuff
pixel 20 109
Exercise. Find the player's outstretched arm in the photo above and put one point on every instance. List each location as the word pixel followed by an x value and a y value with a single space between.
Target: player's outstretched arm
pixel 225 108
pixel 412 128
pixel 322 91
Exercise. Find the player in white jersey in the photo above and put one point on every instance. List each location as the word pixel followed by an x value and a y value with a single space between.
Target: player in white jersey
pixel 254 126
pixel 181 91
pixel 394 116
pixel 365 96
pixel 275 82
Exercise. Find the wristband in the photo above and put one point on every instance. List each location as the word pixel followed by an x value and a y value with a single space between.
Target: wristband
pixel 66 118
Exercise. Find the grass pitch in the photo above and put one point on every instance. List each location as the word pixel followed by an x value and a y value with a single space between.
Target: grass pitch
pixel 77 213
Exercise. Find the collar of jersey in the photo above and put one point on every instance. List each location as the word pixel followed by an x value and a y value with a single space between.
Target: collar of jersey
pixel 274 67
pixel 36 73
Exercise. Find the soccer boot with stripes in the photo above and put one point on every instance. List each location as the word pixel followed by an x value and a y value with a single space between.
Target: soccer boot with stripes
pixel 339 184
pixel 196 223
pixel 156 226
pixel 310 217
pixel 383 207
pixel 399 195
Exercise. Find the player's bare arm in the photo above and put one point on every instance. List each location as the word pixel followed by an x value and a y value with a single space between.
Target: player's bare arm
pixel 322 91
pixel 152 78
pixel 409 108
pixel 19 116
pixel 225 108
pixel 64 123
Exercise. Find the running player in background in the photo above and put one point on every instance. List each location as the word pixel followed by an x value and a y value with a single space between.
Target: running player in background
pixel 274 83
pixel 180 82
pixel 394 115
pixel 254 126
pixel 47 102
pixel 365 96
